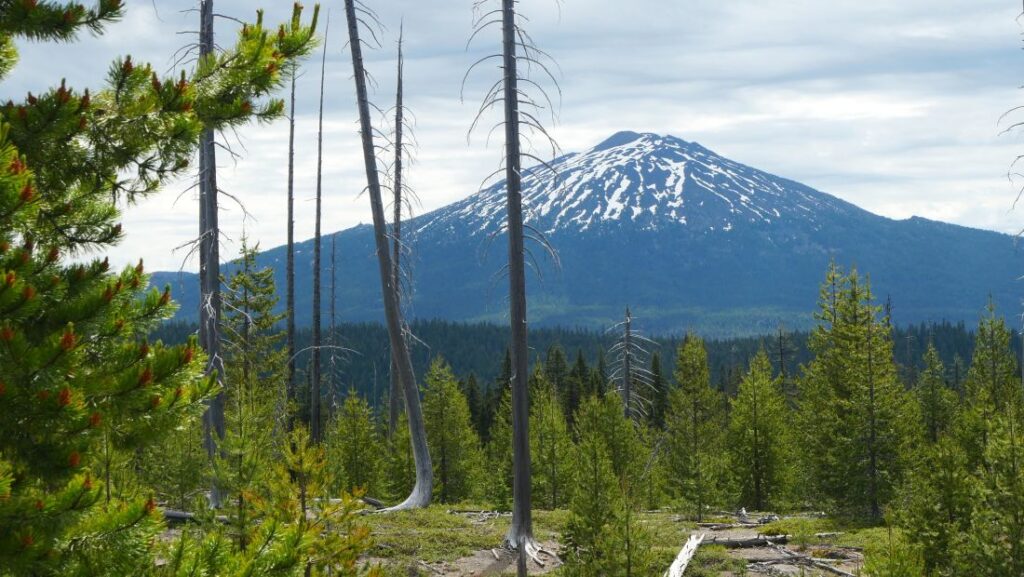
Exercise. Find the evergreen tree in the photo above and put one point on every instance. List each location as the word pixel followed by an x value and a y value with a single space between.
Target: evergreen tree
pixel 552 450
pixel 399 467
pixel 994 544
pixel 936 507
pixel 992 387
pixel 556 368
pixel 577 386
pixel 454 446
pixel 759 438
pixel 353 447
pixel 856 422
pixel 603 418
pixel 602 536
pixel 72 334
pixel 474 400
pixel 659 386
pixel 499 453
pixel 694 426
pixel 256 370
pixel 937 402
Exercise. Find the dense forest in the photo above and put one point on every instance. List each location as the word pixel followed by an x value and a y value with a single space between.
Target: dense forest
pixel 243 446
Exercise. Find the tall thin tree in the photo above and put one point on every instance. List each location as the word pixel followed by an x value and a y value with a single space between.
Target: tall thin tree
pixel 317 378
pixel 520 534
pixel 396 232
pixel 421 493
pixel 209 261
pixel 290 267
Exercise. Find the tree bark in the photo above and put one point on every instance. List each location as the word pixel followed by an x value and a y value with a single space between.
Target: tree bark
pixel 396 233
pixel 521 531
pixel 314 400
pixel 290 268
pixel 421 493
pixel 209 265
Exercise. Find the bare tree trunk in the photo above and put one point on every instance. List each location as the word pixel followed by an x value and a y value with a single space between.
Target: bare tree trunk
pixel 290 270
pixel 396 233
pixel 521 531
pixel 627 369
pixel 209 265
pixel 421 493
pixel 333 339
pixel 314 408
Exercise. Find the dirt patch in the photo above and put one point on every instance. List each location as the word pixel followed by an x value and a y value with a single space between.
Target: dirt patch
pixel 493 562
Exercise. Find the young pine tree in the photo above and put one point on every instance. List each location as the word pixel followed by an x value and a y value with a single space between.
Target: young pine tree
pixel 256 371
pixel 759 439
pixel 353 447
pixel 602 536
pixel 937 403
pixel 552 449
pixel 660 390
pixel 398 468
pixel 694 426
pixel 499 453
pixel 992 388
pixel 603 418
pixel 454 446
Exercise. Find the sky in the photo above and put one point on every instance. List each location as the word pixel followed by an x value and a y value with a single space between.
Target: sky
pixel 894 106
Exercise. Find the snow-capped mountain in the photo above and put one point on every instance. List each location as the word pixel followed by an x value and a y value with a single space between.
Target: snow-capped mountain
pixel 645 181
pixel 686 237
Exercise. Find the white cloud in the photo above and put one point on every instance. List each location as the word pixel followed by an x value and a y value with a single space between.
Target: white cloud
pixel 890 105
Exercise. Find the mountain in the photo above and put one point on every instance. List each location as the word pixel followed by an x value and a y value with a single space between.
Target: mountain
pixel 684 236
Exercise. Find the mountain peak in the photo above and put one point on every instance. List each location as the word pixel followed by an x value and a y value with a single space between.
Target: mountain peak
pixel 646 181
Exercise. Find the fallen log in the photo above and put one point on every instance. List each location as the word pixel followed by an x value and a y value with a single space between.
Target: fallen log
pixel 173 517
pixel 748 542
pixel 685 555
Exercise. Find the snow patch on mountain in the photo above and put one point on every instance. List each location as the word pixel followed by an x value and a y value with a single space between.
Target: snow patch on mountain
pixel 648 180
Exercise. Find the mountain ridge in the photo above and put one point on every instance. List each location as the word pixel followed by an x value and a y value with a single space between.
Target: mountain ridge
pixel 690 239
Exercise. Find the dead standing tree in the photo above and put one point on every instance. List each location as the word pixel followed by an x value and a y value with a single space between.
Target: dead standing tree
pixel 316 378
pixel 209 261
pixel 630 357
pixel 520 111
pixel 421 493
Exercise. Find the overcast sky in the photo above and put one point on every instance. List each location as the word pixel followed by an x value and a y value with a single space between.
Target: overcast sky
pixel 893 106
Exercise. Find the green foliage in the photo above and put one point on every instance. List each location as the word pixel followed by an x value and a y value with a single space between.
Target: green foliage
pixel 760 447
pixel 454 446
pixel 399 466
pixel 856 421
pixel 660 388
pixel 695 424
pixel 354 448
pixel 499 454
pixel 603 419
pixel 994 543
pixel 602 536
pixel 551 450
pixel 937 403
pixel 936 504
pixel 895 558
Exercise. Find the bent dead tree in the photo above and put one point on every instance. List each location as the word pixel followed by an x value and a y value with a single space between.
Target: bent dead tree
pixel 423 489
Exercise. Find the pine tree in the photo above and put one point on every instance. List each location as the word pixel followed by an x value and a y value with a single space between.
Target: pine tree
pixel 399 467
pixel 552 449
pixel 936 401
pixel 992 387
pixel 72 334
pixel 556 368
pixel 354 447
pixel 857 422
pixel 499 453
pixel 994 544
pixel 936 504
pixel 659 386
pixel 604 418
pixel 694 427
pixel 602 536
pixel 256 370
pixel 576 388
pixel 759 440
pixel 454 446
pixel 474 399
